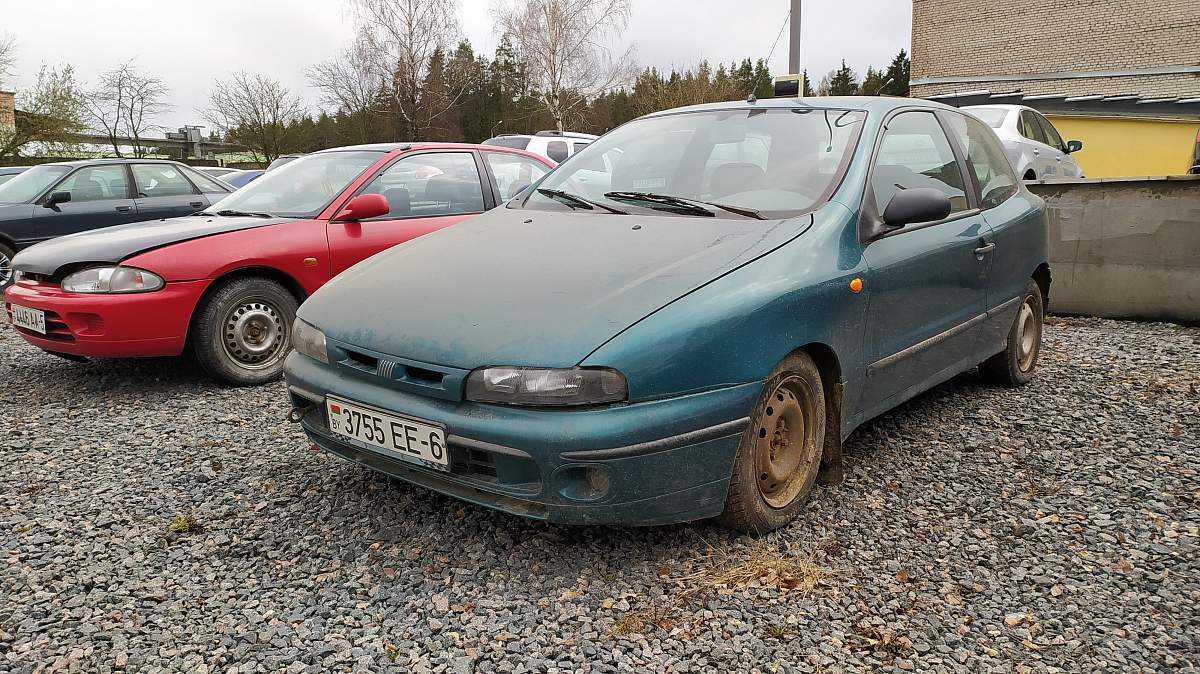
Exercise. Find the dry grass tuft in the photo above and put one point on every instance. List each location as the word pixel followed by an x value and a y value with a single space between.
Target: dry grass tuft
pixel 642 621
pixel 182 524
pixel 763 565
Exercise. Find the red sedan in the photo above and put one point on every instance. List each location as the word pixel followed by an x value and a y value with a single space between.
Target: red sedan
pixel 225 283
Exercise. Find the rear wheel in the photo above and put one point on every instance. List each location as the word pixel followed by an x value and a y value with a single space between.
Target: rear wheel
pixel 1014 366
pixel 6 270
pixel 242 332
pixel 780 453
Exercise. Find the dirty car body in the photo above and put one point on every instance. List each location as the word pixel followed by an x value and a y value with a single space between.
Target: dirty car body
pixel 600 355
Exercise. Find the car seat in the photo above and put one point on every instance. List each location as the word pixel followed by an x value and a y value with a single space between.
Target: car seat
pixel 735 177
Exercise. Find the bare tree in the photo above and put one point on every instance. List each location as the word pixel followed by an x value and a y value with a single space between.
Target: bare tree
pixel 566 46
pixel 257 112
pixel 49 115
pixel 124 105
pixel 8 56
pixel 350 84
pixel 400 39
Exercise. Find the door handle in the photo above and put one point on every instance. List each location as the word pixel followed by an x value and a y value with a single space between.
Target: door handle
pixel 197 204
pixel 985 249
pixel 124 209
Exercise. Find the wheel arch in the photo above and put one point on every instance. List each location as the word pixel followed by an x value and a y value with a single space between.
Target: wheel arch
pixel 254 271
pixel 1042 277
pixel 830 367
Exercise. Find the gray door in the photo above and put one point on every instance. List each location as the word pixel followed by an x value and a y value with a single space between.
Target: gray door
pixel 99 198
pixel 1064 166
pixel 1043 153
pixel 164 192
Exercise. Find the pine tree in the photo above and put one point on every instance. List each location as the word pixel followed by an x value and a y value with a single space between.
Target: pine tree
pixel 898 73
pixel 843 81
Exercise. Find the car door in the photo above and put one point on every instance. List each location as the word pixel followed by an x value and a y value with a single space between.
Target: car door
pixel 511 173
pixel 928 281
pixel 1064 165
pixel 100 197
pixel 164 192
pixel 426 191
pixel 1039 145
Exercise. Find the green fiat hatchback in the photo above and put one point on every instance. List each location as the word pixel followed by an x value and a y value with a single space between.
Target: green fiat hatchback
pixel 687 318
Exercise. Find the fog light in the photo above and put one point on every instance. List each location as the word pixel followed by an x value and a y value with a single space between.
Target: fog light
pixel 583 482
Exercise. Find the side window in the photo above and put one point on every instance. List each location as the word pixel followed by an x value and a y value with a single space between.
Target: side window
pixel 578 146
pixel 96 183
pixel 437 183
pixel 995 176
pixel 914 152
pixel 160 180
pixel 1051 133
pixel 556 150
pixel 1030 128
pixel 513 172
pixel 205 183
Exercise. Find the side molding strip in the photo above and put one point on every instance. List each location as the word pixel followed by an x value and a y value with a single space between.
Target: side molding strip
pixel 940 337
pixel 683 439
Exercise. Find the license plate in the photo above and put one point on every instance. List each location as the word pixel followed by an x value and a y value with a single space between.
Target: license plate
pixel 390 434
pixel 30 319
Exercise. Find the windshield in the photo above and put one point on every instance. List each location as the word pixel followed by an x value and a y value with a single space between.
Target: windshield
pixel 518 142
pixel 993 117
pixel 301 188
pixel 773 162
pixel 26 186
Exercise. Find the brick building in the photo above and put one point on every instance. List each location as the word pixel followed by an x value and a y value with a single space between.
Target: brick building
pixel 1122 76
pixel 8 112
pixel 1072 47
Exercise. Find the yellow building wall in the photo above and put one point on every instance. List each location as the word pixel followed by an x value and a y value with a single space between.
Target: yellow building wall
pixel 1124 146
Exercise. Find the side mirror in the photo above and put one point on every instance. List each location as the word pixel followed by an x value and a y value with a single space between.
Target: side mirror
pixel 917 204
pixel 364 207
pixel 1074 146
pixel 57 198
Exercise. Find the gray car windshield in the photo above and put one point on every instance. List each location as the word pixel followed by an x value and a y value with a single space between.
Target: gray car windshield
pixel 302 187
pixel 26 186
pixel 765 162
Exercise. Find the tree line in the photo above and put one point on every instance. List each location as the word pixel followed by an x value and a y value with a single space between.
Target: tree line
pixel 409 75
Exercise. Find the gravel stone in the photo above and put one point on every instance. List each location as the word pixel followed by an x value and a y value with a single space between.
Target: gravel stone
pixel 152 521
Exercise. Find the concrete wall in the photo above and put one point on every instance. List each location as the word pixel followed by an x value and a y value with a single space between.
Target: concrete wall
pixel 956 38
pixel 1125 247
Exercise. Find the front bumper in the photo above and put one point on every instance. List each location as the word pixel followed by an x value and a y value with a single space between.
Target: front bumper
pixel 109 326
pixel 662 461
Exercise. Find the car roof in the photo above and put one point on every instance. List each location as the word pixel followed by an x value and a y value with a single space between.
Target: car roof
pixel 997 106
pixel 870 104
pixel 113 160
pixel 12 169
pixel 434 145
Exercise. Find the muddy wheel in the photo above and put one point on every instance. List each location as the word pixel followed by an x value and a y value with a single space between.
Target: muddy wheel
pixel 780 452
pixel 243 331
pixel 1014 366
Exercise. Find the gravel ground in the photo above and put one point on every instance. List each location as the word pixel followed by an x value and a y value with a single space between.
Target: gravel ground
pixel 153 521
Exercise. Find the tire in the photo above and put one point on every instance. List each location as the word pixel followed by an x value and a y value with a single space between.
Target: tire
pixel 6 270
pixel 1014 366
pixel 243 330
pixel 770 482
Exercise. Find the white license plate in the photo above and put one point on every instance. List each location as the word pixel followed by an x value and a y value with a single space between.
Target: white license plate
pixel 30 319
pixel 390 434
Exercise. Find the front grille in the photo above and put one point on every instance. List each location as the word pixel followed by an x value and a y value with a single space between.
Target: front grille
pixel 472 462
pixel 398 373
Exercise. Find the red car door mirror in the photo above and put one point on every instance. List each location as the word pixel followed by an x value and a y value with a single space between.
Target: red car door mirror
pixel 364 207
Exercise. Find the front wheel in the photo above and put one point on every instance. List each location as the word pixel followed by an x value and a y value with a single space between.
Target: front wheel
pixel 242 331
pixel 1014 366
pixel 6 270
pixel 780 453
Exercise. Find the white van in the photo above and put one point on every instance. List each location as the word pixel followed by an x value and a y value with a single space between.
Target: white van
pixel 552 145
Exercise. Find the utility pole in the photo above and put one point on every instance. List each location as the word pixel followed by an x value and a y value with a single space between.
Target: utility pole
pixel 794 42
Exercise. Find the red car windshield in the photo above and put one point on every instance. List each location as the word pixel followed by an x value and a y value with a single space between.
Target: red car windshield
pixel 301 188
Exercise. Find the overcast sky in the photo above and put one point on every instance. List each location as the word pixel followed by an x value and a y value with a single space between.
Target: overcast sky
pixel 189 43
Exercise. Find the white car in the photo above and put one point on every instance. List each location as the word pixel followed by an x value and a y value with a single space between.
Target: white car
pixel 1035 148
pixel 552 145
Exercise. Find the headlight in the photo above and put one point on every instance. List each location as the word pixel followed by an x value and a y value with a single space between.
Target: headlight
pixel 309 341
pixel 112 280
pixel 546 387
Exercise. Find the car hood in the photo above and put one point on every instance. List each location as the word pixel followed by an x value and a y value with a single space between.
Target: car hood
pixel 522 287
pixel 113 244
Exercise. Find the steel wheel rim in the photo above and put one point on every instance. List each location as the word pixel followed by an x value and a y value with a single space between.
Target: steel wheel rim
pixel 254 334
pixel 6 271
pixel 1027 336
pixel 784 439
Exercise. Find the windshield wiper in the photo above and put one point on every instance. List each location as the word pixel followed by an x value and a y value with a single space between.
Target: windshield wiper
pixel 230 213
pixel 576 201
pixel 695 206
